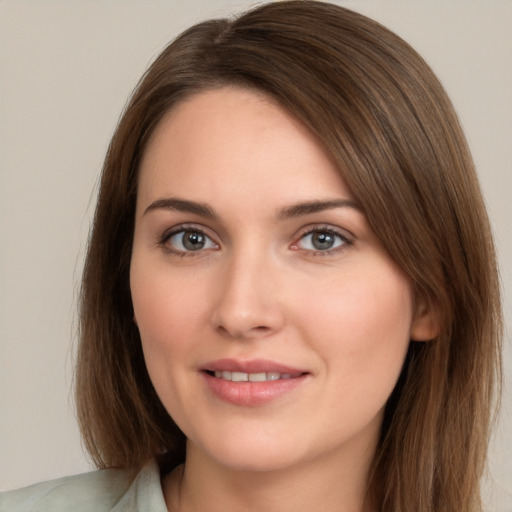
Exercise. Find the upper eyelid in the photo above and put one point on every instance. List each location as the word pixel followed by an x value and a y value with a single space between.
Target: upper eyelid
pixel 186 227
pixel 343 232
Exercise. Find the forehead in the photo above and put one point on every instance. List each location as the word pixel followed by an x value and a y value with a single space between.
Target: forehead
pixel 236 143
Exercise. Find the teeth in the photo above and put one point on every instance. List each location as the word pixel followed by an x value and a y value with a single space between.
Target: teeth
pixel 253 377
pixel 258 377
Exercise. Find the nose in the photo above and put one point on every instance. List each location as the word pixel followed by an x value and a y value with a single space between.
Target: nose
pixel 248 304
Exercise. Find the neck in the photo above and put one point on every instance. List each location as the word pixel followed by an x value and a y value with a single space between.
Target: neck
pixel 331 484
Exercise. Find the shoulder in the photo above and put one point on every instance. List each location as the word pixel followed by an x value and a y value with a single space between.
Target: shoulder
pixel 106 490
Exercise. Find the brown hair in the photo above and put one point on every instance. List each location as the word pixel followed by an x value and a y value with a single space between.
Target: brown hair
pixel 386 120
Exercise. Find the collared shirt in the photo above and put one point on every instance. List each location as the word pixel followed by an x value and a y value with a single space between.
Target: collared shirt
pixel 106 490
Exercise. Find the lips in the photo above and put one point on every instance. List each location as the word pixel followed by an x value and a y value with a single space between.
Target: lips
pixel 254 377
pixel 251 383
pixel 252 366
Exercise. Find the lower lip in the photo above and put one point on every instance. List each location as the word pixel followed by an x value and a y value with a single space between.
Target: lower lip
pixel 250 394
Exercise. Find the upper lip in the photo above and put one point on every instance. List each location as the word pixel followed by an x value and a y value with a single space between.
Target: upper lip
pixel 250 366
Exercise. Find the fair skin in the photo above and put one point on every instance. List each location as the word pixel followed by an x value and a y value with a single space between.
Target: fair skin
pixel 251 256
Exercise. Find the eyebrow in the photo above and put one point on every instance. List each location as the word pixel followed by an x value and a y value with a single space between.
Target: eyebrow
pixel 309 207
pixel 289 212
pixel 182 205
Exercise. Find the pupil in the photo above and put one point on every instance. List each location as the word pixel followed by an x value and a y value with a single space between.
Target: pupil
pixel 323 241
pixel 193 241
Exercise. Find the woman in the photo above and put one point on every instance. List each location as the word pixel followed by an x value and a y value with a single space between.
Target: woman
pixel 290 297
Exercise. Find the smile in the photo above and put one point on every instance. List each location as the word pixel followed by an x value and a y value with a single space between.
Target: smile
pixel 254 377
pixel 252 383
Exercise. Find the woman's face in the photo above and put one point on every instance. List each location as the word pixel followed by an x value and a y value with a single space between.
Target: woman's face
pixel 274 324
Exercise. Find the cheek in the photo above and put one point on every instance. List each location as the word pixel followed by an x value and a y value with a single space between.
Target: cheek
pixel 352 307
pixel 361 326
pixel 167 315
pixel 165 303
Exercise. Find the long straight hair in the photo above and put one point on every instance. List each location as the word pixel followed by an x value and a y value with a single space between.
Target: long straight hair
pixel 385 119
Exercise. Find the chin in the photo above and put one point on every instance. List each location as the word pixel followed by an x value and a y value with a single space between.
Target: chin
pixel 264 463
pixel 255 455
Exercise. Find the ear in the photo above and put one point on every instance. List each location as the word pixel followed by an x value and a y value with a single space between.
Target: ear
pixel 425 325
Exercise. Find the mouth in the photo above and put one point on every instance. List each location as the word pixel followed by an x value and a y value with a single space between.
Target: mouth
pixel 252 377
pixel 249 383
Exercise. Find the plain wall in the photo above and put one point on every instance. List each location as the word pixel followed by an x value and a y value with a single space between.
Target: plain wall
pixel 66 70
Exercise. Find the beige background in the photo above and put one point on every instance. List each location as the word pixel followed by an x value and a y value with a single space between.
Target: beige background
pixel 66 69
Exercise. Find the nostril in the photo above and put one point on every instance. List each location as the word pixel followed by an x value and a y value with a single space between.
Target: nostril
pixel 223 330
pixel 242 331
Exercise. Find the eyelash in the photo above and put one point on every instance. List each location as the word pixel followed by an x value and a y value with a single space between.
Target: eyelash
pixel 345 241
pixel 164 240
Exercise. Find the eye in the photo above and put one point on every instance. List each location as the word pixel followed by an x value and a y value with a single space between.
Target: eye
pixel 189 240
pixel 321 240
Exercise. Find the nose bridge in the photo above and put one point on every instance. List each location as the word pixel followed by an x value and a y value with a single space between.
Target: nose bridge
pixel 248 303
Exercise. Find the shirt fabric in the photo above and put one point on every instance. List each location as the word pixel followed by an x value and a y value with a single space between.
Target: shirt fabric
pixel 106 490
